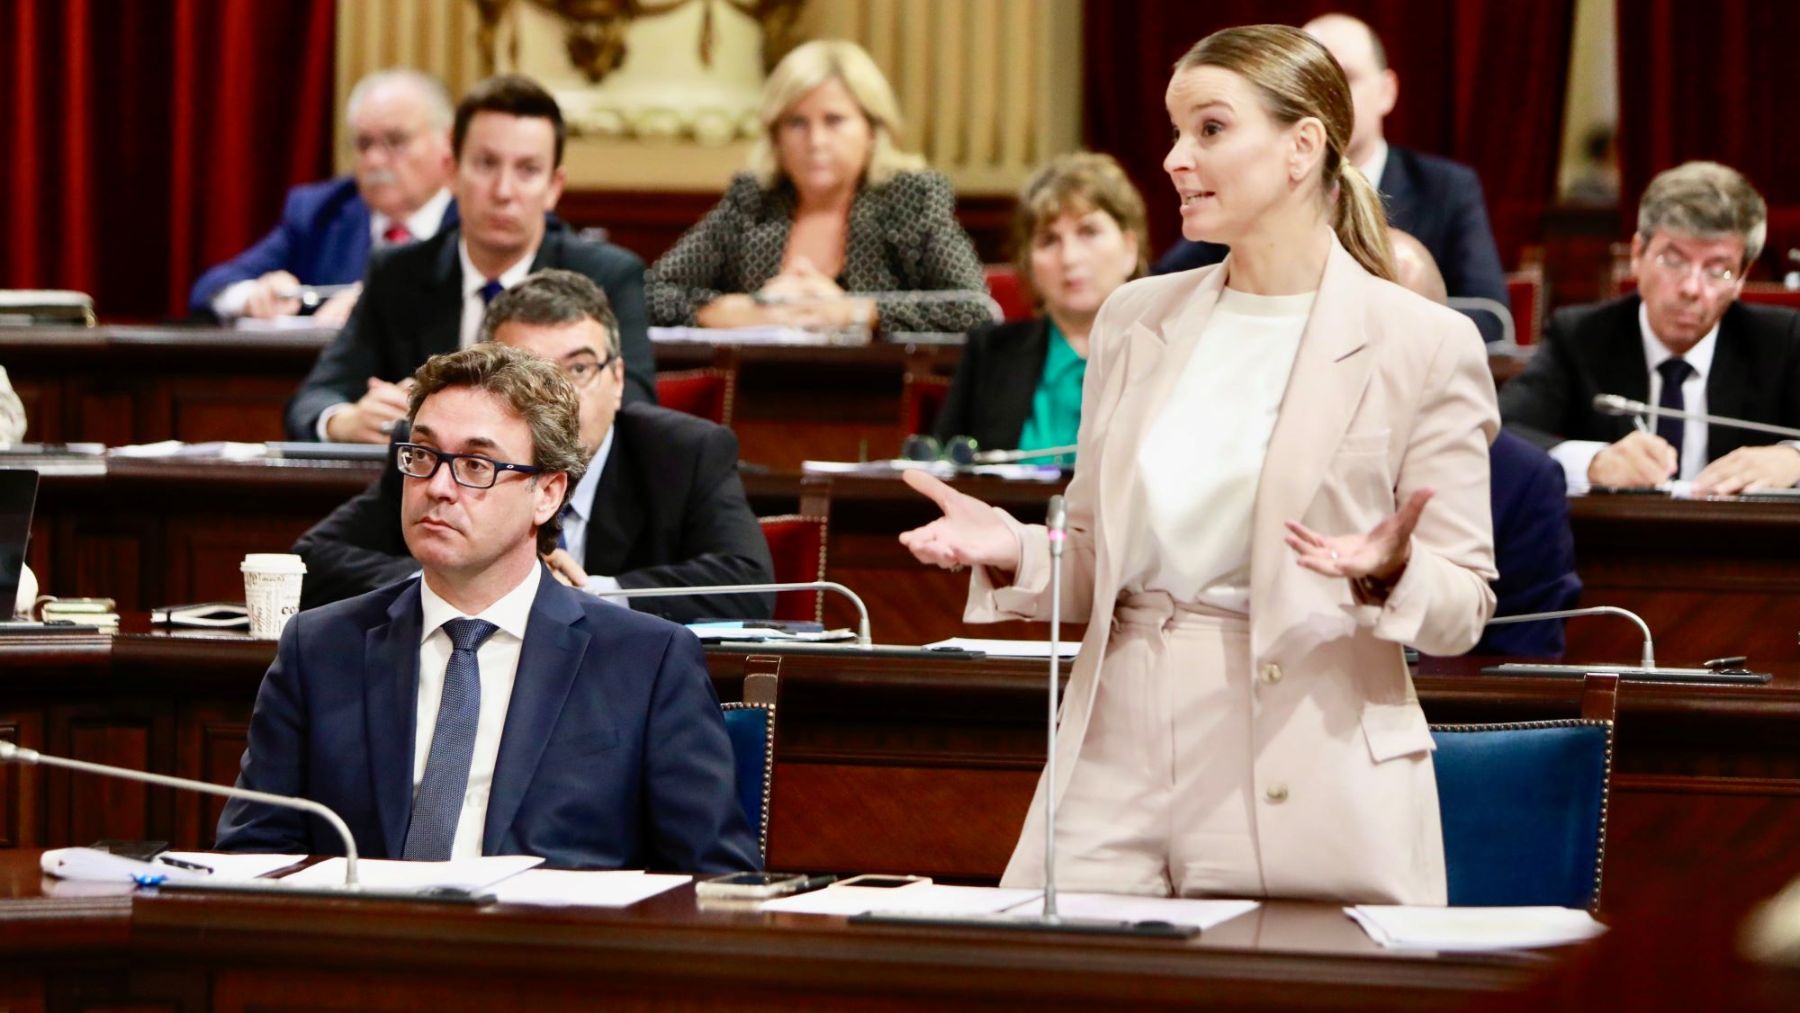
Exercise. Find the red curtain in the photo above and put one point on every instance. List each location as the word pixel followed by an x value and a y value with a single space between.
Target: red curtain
pixel 1709 81
pixel 1481 81
pixel 148 139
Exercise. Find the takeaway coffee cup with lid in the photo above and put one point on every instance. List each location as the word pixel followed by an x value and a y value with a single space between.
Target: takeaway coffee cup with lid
pixel 271 591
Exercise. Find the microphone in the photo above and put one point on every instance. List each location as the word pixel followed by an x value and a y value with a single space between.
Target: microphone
pixel 1010 456
pixel 1056 527
pixel 11 753
pixel 1647 669
pixel 862 610
pixel 1613 404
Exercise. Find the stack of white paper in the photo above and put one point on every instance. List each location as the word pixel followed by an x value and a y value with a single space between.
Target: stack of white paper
pixel 566 888
pixel 1010 648
pixel 1471 929
pixel 919 898
pixel 1199 912
pixel 94 865
pixel 472 874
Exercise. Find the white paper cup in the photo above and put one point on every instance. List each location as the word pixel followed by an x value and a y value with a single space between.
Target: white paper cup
pixel 271 591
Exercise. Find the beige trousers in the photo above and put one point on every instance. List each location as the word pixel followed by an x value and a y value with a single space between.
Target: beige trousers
pixel 1160 800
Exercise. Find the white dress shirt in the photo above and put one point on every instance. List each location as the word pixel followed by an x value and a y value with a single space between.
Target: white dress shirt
pixel 1576 456
pixel 498 660
pixel 580 512
pixel 1202 457
pixel 472 283
pixel 423 223
pixel 1376 165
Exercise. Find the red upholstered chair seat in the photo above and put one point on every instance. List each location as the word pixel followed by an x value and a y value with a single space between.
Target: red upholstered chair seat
pixel 708 393
pixel 922 398
pixel 797 544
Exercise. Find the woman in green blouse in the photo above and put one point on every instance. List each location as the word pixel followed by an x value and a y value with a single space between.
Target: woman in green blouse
pixel 1078 234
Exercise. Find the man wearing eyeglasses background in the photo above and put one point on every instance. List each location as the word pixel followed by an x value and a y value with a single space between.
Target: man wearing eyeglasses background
pixel 1682 341
pixel 660 505
pixel 427 298
pixel 486 709
pixel 399 136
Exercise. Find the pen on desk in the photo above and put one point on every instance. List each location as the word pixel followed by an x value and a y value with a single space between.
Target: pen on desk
pixel 815 882
pixel 183 864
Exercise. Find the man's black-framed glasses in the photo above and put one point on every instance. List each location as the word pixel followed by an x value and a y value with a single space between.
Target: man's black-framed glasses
pixel 585 368
pixel 472 471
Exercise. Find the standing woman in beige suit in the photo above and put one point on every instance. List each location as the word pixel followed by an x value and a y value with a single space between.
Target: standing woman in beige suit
pixel 1282 479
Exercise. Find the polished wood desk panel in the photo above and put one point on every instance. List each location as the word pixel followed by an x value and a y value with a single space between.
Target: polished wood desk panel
pixel 186 951
pixel 900 764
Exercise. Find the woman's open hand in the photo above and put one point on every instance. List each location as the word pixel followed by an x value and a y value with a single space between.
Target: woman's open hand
pixel 969 534
pixel 1380 554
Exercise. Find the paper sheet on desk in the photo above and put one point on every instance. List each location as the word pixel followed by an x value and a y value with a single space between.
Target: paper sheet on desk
pixel 566 888
pixel 1010 648
pixel 465 874
pixel 223 450
pixel 940 469
pixel 925 898
pixel 1473 929
pixel 1201 913
pixel 94 865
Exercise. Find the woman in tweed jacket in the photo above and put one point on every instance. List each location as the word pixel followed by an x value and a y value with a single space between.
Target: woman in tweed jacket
pixel 834 209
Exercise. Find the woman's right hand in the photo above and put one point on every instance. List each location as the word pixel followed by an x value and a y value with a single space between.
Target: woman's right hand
pixel 969 534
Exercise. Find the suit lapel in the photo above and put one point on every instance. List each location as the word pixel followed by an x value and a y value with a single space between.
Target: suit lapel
pixel 548 662
pixel 1165 353
pixel 1331 369
pixel 1728 385
pixel 1620 368
pixel 1398 193
pixel 441 291
pixel 1017 384
pixel 390 709
pixel 617 514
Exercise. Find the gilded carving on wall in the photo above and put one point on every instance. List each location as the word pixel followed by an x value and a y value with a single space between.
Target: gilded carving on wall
pixel 596 29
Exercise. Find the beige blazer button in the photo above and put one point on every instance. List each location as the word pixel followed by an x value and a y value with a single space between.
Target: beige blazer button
pixel 1271 673
pixel 1277 793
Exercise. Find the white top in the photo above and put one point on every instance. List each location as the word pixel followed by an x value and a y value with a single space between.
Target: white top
pixel 474 307
pixel 498 660
pixel 1576 455
pixel 1202 458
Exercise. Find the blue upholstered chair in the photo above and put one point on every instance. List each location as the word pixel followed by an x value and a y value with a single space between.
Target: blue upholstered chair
pixel 1524 808
pixel 751 726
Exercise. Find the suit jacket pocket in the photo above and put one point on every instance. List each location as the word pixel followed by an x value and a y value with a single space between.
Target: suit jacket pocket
pixel 585 742
pixel 1356 444
pixel 1395 730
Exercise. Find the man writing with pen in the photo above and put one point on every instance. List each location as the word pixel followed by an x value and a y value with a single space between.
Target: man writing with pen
pixel 1683 343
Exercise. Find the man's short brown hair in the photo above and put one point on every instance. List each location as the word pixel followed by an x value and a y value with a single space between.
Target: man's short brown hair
pixel 514 95
pixel 1708 201
pixel 535 390
pixel 552 298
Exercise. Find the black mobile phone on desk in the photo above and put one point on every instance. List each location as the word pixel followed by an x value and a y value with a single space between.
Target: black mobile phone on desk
pixel 1626 490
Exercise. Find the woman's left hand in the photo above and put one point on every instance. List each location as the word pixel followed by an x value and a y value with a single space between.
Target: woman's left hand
pixel 1379 555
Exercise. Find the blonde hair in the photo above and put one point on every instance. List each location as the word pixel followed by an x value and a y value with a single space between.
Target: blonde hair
pixel 811 65
pixel 1298 78
pixel 1082 181
pixel 1706 200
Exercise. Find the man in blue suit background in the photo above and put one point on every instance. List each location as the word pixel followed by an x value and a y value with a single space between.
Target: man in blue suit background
pixel 485 708
pixel 1437 200
pixel 400 132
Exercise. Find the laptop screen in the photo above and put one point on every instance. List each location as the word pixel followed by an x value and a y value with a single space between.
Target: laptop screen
pixel 18 492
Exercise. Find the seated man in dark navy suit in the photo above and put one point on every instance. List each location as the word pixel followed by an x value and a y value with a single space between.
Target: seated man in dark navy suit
pixel 661 504
pixel 397 193
pixel 487 709
pixel 427 298
pixel 1435 199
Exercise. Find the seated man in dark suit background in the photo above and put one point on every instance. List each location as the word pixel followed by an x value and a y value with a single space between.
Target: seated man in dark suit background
pixel 660 506
pixel 397 193
pixel 1434 199
pixel 486 709
pixel 1683 341
pixel 1534 547
pixel 427 298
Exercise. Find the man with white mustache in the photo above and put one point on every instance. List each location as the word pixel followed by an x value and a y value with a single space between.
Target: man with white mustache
pixel 399 135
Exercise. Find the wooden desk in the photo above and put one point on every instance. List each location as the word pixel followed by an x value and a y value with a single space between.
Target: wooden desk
pixel 902 764
pixel 197 951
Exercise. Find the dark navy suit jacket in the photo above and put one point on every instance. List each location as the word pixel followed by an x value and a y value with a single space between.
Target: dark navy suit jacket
pixel 1441 204
pixel 614 754
pixel 322 239
pixel 1534 550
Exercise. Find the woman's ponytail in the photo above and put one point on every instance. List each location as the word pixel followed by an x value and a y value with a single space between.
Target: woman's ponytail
pixel 1361 222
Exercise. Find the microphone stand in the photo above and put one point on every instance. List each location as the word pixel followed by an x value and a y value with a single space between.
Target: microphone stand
pixel 1614 404
pixel 1646 670
pixel 862 610
pixel 11 753
pixel 1058 521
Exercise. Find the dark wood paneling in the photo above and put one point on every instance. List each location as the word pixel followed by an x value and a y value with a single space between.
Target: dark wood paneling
pixel 21 787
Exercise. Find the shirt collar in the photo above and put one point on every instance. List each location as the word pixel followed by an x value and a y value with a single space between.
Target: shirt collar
pixel 473 279
pixel 423 223
pixel 1656 353
pixel 1376 165
pixel 582 499
pixel 510 613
